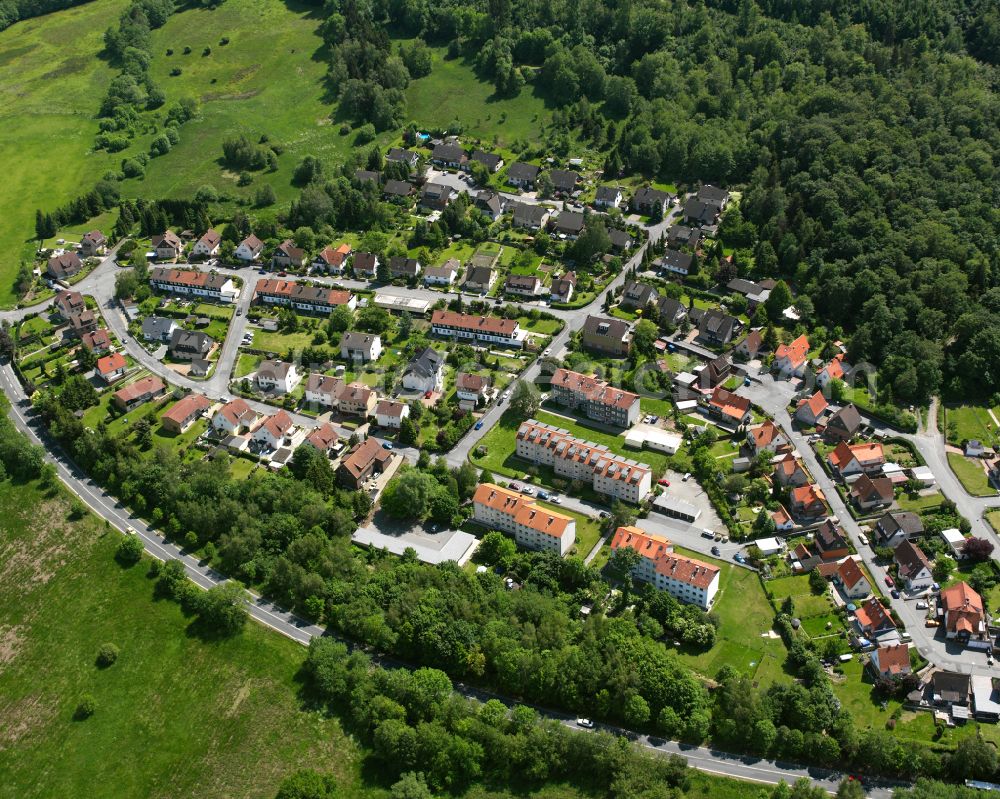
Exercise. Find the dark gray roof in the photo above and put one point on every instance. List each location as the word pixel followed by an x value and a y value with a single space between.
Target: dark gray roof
pixel 367 175
pixel 570 222
pixel 156 326
pixel 701 212
pixel 479 274
pixel 716 324
pixel 190 340
pixel 399 154
pixel 847 419
pixel 525 213
pixel 647 196
pixel 674 260
pixel 426 364
pixel 489 160
pixel 602 326
pixel 607 194
pixel 638 295
pixel 564 179
pixel 673 309
pixel 448 153
pixel 744 287
pixel 713 195
pixel 397 188
pixel 896 521
pixel 490 202
pixel 401 265
pixel 522 171
pixel 620 239
pixel 353 340
pixel 682 234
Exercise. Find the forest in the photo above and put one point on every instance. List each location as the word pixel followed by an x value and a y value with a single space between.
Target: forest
pixel 864 136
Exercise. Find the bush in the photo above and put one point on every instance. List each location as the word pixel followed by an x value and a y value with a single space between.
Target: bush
pixel 187 51
pixel 86 708
pixel 207 51
pixel 365 134
pixel 107 655
pixel 175 72
pixel 129 550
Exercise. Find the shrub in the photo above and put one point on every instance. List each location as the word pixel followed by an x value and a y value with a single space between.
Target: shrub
pixel 86 708
pixel 107 655
pixel 223 41
pixel 206 51
pixel 187 51
pixel 175 72
pixel 129 550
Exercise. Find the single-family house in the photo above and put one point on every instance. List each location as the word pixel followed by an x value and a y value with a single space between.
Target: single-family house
pixel 185 412
pixel 93 244
pixel 280 377
pixel 638 295
pixel 564 180
pixel 562 288
pixel 189 345
pixel 363 347
pixel 491 204
pixel 450 155
pixel 523 285
pixel 68 303
pixel 425 371
pixel 363 461
pixel 729 407
pixel 96 341
pixel 608 197
pixel 851 580
pixel 435 196
pixel 208 245
pixel 952 690
pixel 834 370
pixel 790 359
pixel 789 471
pixel 443 275
pixel 403 156
pixel 621 240
pixel 332 260
pixel 715 372
pixel 914 568
pixel 897 526
pixel 397 189
pixel 964 613
pixel 64 265
pixel 83 322
pixel 401 266
pixel 324 438
pixel 272 432
pixel 158 328
pixel 532 217
pixel 650 201
pixel 782 519
pixel 890 662
pixel 714 327
pixel 810 411
pixel 249 250
pixel 872 619
pixel 479 278
pixel 367 176
pixel 675 262
pixel 522 175
pixel 974 448
pixel 681 236
pixel 470 387
pixel 670 312
pixel 607 336
pixel 112 367
pixel 390 413
pixel 492 161
pixel 850 459
pixel 766 436
pixel 569 224
pixel 135 394
pixel 288 255
pixel 365 264
pixel 323 390
pixel 808 502
pixel 869 493
pixel 831 542
pixel 233 418
pixel 357 399
pixel 749 345
pixel 844 424
pixel 167 246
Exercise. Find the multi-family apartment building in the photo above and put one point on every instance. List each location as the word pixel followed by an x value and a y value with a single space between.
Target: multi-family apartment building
pixel 194 282
pixel 308 299
pixel 595 398
pixel 489 329
pixel 574 459
pixel 532 526
pixel 688 580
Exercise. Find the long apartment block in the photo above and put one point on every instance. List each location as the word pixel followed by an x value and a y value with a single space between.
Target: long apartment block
pixel 532 526
pixel 308 299
pixel 595 398
pixel 575 459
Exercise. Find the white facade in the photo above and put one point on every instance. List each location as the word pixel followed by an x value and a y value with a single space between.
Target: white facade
pixel 525 535
pixel 283 384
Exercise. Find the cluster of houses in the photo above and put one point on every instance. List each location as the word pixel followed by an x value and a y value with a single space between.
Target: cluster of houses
pixel 63 264
pixel 71 308
pixel 573 459
pixel 194 283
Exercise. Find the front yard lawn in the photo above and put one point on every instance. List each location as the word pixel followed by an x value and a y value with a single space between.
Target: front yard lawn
pixel 919 502
pixel 588 530
pixel 971 474
pixel 969 422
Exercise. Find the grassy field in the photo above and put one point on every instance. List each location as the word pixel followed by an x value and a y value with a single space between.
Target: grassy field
pixel 969 422
pixel 971 475
pixel 51 83
pixel 588 530
pixel 175 716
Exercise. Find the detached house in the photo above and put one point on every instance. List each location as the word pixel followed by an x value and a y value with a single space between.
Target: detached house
pixel 397 189
pixel 365 264
pixel 608 336
pixel 869 493
pixel 679 236
pixel 620 240
pixel 470 387
pixel 401 266
pixel 913 566
pixel 208 245
pixel 608 197
pixel 851 580
pixel 278 376
pixel 832 371
pixel 390 413
pixel 69 303
pixel 96 341
pixel 356 399
pixel 714 326
pixel 250 249
pixel 324 438
pixel 964 613
pixel 93 244
pixel 830 542
pixel 288 255
pixel 449 155
pixel 522 175
pixel 532 217
pixel 363 347
pixel 323 390
pixel 790 359
pixel 523 285
pixel 637 295
pixel 849 459
pixel 675 262
pixel 491 161
pixel 135 394
pixel 750 345
pixel 564 180
pixel 167 246
pixel 64 265
pixel 563 287
pixel 670 311
pixel 480 278
pixel 808 502
pixel 443 275
pixel 273 430
pixel 363 461
pixel 729 407
pixel 112 367
pixel 810 411
pixel 766 436
pixel 425 372
pixel 435 197
pixel 185 413
pixel 872 619
pixel 233 418
pixel 844 424
pixel 569 224
pixel 332 260
pixel 890 662
pixel 895 527
pixel 650 201
pixel 189 345
pixel 400 155
pixel 491 204
pixel 789 471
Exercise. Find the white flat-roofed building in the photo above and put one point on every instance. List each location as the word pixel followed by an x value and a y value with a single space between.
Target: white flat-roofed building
pixel 532 526
pixel 655 438
pixel 955 541
pixel 391 302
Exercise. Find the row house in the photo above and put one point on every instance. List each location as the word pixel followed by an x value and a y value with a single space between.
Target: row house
pixel 532 526
pixel 484 329
pixel 300 297
pixel 595 398
pixel 194 283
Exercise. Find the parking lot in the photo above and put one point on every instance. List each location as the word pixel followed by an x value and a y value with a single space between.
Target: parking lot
pixel 430 544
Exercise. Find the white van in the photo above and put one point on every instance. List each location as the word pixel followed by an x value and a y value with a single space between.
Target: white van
pixel 863 538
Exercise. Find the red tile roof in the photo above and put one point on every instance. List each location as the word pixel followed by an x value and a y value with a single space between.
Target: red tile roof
pixel 796 352
pixel 111 363
pixel 892 659
pixel 731 404
pixel 147 385
pixel 481 324
pixel 184 407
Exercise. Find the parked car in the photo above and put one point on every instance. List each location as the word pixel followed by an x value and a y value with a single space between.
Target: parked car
pixel 428 394
pixel 863 538
pixel 543 494
pixel 932 623
pixel 888 581
pixel 556 500
pixel 663 481
pixel 515 486
pixel 528 490
pixel 386 445
pixel 479 425
pixel 894 593
pixel 585 723
pixel 716 551
pixel 921 605
pixel 686 477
